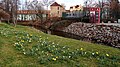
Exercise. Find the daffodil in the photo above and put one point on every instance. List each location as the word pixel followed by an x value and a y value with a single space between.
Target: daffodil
pixel 85 52
pixel 23 49
pixel 16 43
pixel 53 43
pixel 42 44
pixel 54 59
pixel 30 34
pixel 93 53
pixel 97 53
pixel 24 53
pixel 21 45
pixel 36 49
pixel 22 40
pixel 27 34
pixel 57 57
pixel 63 56
pixel 107 55
pixel 69 56
pixel 30 41
pixel 81 48
pixel 64 47
pixel 47 54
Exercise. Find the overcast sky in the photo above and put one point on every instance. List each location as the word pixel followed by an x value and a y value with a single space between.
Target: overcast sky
pixel 67 3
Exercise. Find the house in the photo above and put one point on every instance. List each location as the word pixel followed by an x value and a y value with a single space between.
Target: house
pixel 56 10
pixel 75 12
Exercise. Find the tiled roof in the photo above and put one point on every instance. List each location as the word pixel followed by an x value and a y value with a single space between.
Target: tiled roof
pixel 55 4
pixel 67 10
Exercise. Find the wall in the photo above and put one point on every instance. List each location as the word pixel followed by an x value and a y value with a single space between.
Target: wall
pixel 28 17
pixel 55 12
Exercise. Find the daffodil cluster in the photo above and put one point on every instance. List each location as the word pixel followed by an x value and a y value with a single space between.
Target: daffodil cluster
pixel 47 51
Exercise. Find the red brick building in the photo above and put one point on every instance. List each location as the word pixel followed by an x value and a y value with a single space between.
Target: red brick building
pixel 26 15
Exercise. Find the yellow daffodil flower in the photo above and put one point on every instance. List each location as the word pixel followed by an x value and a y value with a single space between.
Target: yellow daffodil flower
pixel 57 57
pixel 24 53
pixel 30 34
pixel 107 55
pixel 22 40
pixel 97 53
pixel 81 48
pixel 54 59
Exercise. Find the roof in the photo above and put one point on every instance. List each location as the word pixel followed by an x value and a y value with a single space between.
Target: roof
pixel 55 4
pixel 67 10
pixel 32 12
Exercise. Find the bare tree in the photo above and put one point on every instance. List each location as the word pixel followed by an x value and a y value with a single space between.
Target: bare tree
pixel 90 3
pixel 115 8
pixel 47 3
pixel 11 7
pixel 3 14
pixel 37 7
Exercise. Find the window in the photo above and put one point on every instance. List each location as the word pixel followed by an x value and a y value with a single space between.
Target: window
pixel 73 14
pixel 58 8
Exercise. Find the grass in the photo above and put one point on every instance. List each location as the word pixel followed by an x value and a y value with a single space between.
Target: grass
pixel 13 56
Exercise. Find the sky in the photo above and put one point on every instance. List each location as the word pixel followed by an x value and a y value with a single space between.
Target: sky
pixel 67 3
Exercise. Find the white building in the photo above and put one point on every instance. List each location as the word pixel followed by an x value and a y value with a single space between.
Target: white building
pixel 75 11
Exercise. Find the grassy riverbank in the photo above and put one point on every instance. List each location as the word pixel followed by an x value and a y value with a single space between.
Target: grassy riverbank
pixel 22 46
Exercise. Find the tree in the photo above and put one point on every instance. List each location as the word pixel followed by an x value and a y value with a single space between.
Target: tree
pixel 47 3
pixel 38 8
pixel 89 3
pixel 115 8
pixel 11 7
pixel 3 15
